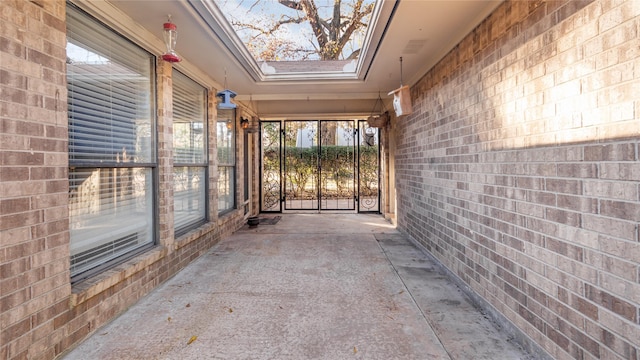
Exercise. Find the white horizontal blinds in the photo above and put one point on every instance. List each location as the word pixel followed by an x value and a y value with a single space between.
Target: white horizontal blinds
pixel 226 159
pixel 226 188
pixel 110 214
pixel 225 137
pixel 109 95
pixel 189 131
pixel 189 139
pixel 111 137
pixel 189 197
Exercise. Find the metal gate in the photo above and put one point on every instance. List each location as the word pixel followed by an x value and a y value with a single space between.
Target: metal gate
pixel 271 166
pixel 319 165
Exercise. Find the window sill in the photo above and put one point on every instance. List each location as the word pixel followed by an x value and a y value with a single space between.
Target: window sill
pixel 93 286
pixel 194 234
pixel 87 289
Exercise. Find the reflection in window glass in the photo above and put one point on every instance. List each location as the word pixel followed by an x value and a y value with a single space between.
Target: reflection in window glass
pixel 111 140
pixel 190 160
pixel 226 159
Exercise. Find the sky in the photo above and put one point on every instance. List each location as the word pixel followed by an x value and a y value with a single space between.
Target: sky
pixel 264 12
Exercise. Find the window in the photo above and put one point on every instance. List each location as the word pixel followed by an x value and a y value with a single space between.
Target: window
pixel 190 159
pixel 111 145
pixel 246 184
pixel 226 159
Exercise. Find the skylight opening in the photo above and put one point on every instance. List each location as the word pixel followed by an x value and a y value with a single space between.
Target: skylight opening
pixel 300 40
pixel 304 30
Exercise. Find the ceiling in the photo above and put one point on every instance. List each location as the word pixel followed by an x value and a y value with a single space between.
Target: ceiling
pixel 419 31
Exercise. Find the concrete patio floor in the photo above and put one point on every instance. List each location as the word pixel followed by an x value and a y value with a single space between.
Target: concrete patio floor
pixel 312 286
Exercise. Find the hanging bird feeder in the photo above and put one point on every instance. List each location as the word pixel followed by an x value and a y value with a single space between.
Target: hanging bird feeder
pixel 402 98
pixel 170 35
pixel 226 96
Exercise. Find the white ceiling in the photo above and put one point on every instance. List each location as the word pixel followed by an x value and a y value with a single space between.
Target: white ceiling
pixel 420 31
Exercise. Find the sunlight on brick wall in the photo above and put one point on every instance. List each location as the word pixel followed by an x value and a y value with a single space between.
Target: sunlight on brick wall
pixel 519 170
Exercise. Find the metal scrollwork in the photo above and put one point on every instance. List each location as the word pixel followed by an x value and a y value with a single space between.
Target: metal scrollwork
pixel 271 166
pixel 368 168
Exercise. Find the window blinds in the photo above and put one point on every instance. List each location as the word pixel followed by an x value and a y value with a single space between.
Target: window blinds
pixel 189 115
pixel 190 161
pixel 111 157
pixel 109 94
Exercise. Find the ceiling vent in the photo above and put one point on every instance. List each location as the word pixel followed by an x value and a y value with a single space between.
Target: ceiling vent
pixel 414 46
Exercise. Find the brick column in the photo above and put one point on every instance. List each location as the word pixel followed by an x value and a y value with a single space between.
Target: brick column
pixel 212 114
pixel 165 154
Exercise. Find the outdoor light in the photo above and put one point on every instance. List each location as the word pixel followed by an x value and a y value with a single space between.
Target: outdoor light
pixel 170 35
pixel 244 122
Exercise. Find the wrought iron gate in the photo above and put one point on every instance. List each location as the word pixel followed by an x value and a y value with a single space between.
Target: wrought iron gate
pixel 301 165
pixel 319 165
pixel 271 162
pixel 368 168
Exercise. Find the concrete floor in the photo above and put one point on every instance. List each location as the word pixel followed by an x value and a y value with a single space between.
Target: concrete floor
pixel 312 286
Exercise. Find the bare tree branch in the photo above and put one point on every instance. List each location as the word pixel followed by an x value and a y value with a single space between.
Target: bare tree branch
pixel 354 55
pixel 291 4
pixel 311 10
pixel 355 21
pixel 335 22
pixel 331 34
pixel 271 30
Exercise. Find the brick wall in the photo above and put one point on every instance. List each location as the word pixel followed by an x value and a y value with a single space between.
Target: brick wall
pixel 41 314
pixel 519 170
pixel 34 237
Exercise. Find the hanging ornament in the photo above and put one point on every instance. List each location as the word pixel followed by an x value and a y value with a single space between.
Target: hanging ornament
pixel 378 119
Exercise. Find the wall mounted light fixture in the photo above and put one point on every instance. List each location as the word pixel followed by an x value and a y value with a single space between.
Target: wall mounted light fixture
pixel 244 123
pixel 170 35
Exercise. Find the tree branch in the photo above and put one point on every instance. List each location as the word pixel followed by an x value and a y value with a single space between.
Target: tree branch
pixel 291 4
pixel 355 21
pixel 311 10
pixel 331 34
pixel 271 30
pixel 335 21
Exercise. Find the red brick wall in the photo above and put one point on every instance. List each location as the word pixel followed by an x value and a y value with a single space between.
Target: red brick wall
pixel 41 314
pixel 519 170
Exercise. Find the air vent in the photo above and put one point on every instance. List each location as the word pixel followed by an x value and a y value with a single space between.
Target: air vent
pixel 414 46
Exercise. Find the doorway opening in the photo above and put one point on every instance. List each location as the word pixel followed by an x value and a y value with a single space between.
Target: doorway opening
pixel 321 165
